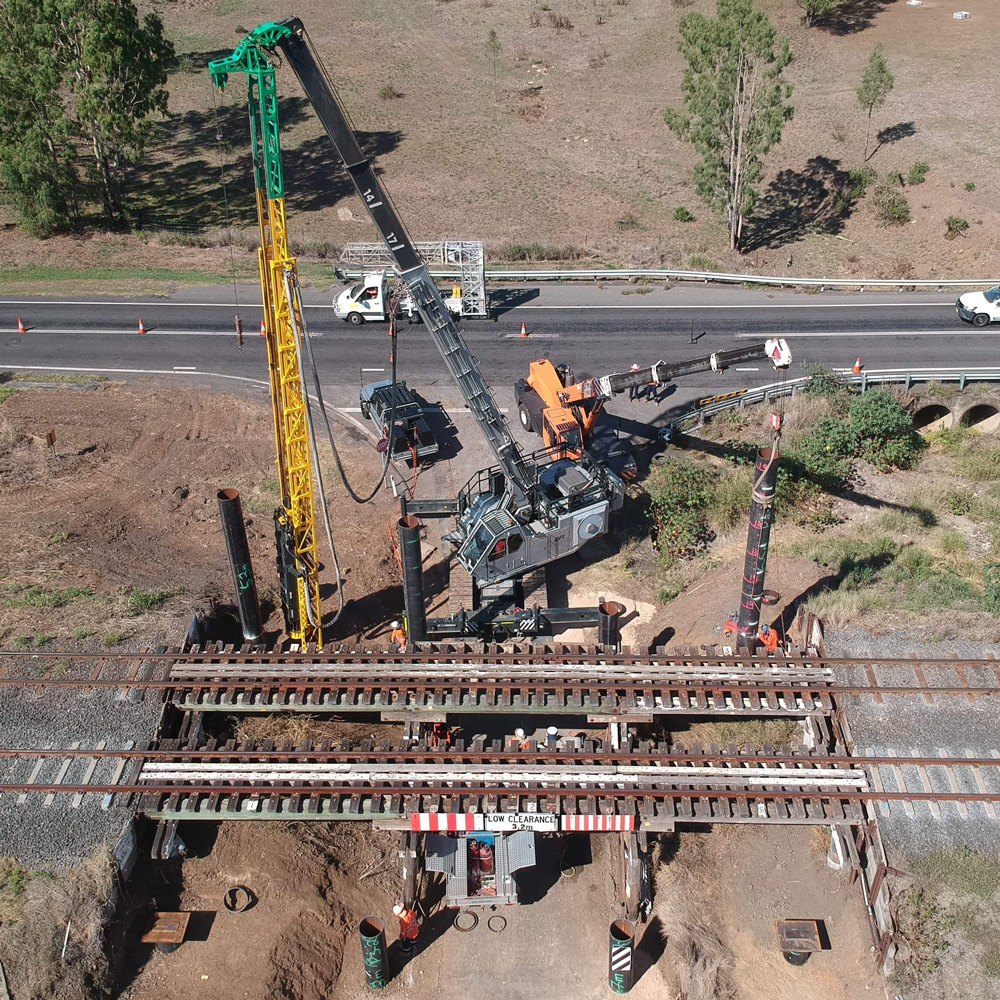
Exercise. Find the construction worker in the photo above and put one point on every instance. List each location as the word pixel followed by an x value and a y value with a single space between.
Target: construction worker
pixel 768 638
pixel 523 743
pixel 633 390
pixel 398 636
pixel 409 928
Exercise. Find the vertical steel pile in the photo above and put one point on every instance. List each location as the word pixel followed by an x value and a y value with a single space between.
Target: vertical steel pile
pixel 235 533
pixel 621 946
pixel 374 953
pixel 413 578
pixel 609 634
pixel 758 537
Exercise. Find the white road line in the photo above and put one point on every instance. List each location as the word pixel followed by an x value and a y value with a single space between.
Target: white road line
pixel 259 383
pixel 530 336
pixel 760 305
pixel 746 369
pixel 191 368
pixel 848 334
pixel 345 411
pixel 733 305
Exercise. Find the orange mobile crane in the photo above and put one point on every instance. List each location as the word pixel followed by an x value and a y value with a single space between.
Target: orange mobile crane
pixel 567 413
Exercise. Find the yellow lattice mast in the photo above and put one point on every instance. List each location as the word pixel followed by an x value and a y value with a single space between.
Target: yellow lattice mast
pixel 295 520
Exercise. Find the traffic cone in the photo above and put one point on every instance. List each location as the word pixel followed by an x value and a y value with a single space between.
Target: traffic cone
pixel 263 329
pixel 857 367
pixel 142 328
pixel 524 332
pixel 21 328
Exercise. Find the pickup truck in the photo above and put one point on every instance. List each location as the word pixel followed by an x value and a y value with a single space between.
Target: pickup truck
pixel 409 430
pixel 367 301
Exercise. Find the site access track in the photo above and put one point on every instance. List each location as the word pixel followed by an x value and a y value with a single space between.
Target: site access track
pixel 645 785
pixel 632 685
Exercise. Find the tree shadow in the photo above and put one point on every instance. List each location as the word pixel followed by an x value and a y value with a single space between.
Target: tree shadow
pixel 851 16
pixel 180 185
pixel 892 134
pixel 817 199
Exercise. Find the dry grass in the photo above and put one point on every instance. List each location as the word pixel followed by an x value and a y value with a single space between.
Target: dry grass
pixel 35 908
pixel 741 732
pixel 701 961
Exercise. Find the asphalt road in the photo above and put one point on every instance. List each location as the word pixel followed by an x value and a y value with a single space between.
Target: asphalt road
pixel 594 330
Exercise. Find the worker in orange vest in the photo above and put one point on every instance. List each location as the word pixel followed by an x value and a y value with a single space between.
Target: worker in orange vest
pixel 768 638
pixel 409 929
pixel 398 635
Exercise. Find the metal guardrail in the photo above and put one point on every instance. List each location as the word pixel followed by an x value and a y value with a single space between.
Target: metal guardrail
pixel 866 379
pixel 624 274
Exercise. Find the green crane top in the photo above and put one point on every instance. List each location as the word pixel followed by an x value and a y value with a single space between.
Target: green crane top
pixel 250 57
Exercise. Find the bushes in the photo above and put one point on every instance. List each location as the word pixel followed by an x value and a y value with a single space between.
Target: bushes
pixel 681 214
pixel 678 493
pixel 955 226
pixel 885 434
pixel 822 382
pixel 891 206
pixel 917 174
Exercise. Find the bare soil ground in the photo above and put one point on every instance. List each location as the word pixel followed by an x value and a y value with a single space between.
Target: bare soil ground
pixel 574 152
pixel 312 883
pixel 126 501
pixel 719 897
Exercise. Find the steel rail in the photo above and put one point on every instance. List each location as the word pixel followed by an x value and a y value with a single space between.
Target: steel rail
pixel 448 790
pixel 545 656
pixel 513 757
pixel 283 684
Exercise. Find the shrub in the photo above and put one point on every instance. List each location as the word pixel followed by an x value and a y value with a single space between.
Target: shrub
pixel 955 225
pixel 729 502
pixel 678 493
pixel 822 382
pixel 559 21
pixel 917 174
pixel 991 589
pixel 389 93
pixel 681 214
pixel 970 185
pixel 891 206
pixel 885 433
pixel 959 503
pixel 834 436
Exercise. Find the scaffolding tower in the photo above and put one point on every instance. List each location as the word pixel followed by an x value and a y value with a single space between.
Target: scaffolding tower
pixel 466 256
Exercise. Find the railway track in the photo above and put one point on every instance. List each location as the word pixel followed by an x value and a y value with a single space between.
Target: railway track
pixel 661 786
pixel 551 679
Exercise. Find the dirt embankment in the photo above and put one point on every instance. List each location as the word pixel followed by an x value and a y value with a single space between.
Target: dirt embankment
pixel 114 531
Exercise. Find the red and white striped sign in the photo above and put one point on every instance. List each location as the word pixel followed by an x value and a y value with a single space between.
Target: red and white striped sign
pixel 598 824
pixel 445 822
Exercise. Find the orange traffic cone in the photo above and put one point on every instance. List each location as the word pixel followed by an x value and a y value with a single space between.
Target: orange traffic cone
pixel 263 329
pixel 524 332
pixel 21 328
pixel 857 367
pixel 142 328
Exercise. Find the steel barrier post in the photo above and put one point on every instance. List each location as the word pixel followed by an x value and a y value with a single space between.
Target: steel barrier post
pixel 234 531
pixel 373 952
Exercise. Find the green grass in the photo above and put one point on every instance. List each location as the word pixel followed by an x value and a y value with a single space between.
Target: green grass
pixel 700 263
pixel 115 637
pixel 953 542
pixel 32 641
pixel 729 502
pixel 33 596
pixel 59 537
pixel 5 393
pixel 138 602
pixel 980 464
pixel 973 873
pixel 62 378
pixel 943 390
pixel 82 633
pixel 41 273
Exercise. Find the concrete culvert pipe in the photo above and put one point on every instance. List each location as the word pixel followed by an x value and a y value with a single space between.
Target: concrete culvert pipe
pixel 985 417
pixel 933 417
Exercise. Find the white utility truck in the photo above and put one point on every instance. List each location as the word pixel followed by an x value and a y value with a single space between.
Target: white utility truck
pixel 367 301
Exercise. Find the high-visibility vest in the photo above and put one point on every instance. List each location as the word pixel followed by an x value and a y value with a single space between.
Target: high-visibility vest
pixel 409 929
